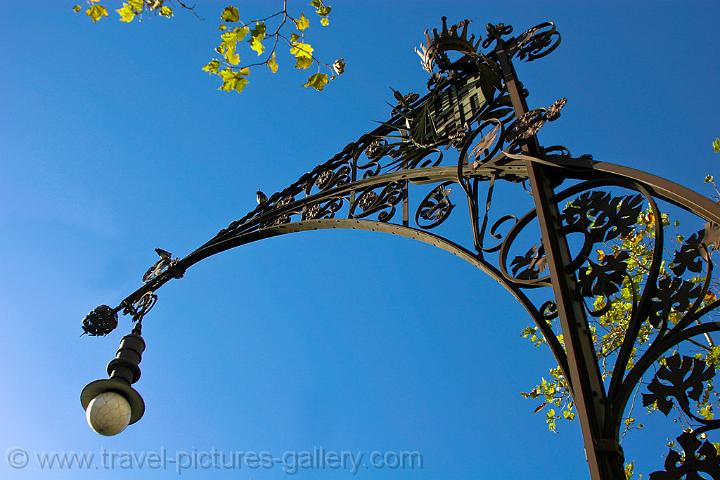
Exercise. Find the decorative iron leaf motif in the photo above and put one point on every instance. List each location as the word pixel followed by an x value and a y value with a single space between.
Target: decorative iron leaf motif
pixel 526 126
pixel 488 143
pixel 683 379
pixel 604 278
pixel 553 111
pixel 435 207
pixel 602 216
pixel 698 457
pixel 531 122
pixel 530 265
pixel 689 256
pixel 672 293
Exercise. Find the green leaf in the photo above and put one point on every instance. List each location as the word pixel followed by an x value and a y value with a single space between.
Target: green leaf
pixel 716 145
pixel 272 63
pixel 317 81
pixel 302 23
pixel 230 14
pixel 96 12
pixel 212 66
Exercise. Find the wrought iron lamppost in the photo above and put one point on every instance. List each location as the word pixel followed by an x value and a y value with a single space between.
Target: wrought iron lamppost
pixel 473 128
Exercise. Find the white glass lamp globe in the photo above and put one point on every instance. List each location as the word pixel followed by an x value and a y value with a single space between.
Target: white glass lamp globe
pixel 108 413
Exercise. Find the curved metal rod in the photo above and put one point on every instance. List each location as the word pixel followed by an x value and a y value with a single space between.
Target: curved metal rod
pixel 662 188
pixel 368 225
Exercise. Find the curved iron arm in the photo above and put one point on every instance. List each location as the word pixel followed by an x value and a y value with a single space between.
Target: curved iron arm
pixel 473 129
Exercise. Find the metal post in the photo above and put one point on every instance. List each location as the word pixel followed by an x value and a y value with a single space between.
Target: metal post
pixel 604 456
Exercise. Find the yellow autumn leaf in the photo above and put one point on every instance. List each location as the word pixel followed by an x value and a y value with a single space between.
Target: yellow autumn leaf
pixel 272 63
pixel 302 53
pixel 96 12
pixel 126 13
pixel 256 45
pixel 233 58
pixel 258 34
pixel 236 35
pixel 317 81
pixel 298 49
pixel 212 66
pixel 302 23
pixel 241 33
pixel 230 14
pixel 303 63
pixel 324 21
pixel 233 80
pixel 76 8
pixel 166 11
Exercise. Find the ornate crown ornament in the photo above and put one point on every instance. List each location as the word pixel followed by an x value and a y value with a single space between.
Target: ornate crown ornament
pixel 433 52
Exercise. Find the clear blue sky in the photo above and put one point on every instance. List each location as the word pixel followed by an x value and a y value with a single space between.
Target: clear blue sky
pixel 113 142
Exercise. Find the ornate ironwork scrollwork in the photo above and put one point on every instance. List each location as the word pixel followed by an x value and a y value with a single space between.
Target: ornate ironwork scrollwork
pixel 141 306
pixel 370 202
pixel 435 208
pixel 464 132
pixel 537 42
